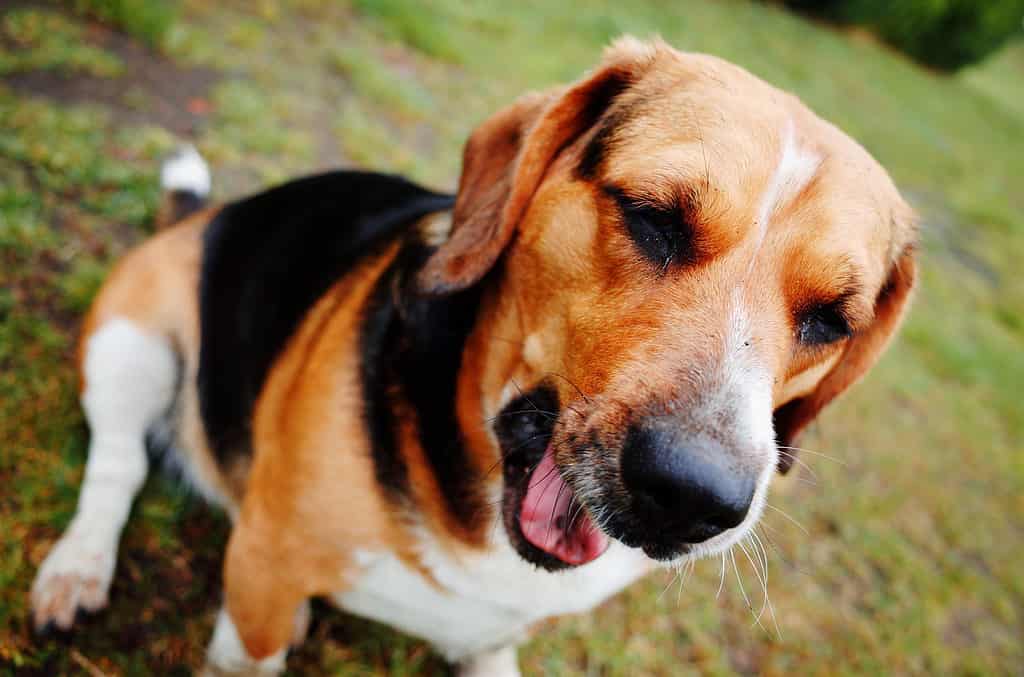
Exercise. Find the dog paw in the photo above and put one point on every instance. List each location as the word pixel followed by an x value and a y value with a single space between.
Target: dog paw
pixel 75 576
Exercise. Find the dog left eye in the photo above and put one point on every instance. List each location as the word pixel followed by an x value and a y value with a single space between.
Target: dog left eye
pixel 656 231
pixel 823 325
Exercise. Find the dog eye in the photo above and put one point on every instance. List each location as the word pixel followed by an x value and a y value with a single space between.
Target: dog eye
pixel 823 325
pixel 657 232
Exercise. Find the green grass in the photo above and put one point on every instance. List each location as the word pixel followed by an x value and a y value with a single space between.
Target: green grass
pixel 147 20
pixel 51 41
pixel 911 560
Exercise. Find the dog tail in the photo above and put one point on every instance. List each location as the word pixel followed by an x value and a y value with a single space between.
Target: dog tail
pixel 185 181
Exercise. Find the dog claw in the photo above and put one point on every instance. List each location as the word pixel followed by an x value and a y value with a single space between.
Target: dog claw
pixel 60 601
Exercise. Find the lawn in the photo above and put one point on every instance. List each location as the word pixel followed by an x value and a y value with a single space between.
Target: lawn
pixel 904 547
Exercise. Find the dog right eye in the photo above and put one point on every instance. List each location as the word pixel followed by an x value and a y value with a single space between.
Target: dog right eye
pixel 823 325
pixel 658 232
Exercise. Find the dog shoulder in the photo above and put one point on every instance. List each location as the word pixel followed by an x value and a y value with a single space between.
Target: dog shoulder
pixel 267 259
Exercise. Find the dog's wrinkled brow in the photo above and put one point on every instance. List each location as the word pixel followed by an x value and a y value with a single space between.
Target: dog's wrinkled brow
pixel 596 150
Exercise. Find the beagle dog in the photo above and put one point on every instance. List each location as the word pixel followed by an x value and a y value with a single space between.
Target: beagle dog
pixel 462 415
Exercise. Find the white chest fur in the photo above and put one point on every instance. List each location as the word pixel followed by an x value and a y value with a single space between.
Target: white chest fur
pixel 488 600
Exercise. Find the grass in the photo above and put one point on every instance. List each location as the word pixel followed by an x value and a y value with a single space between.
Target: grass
pixel 50 41
pixel 147 20
pixel 910 563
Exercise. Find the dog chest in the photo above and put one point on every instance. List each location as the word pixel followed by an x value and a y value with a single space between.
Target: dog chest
pixel 485 601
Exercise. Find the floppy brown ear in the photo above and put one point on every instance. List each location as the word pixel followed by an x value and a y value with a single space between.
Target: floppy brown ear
pixel 860 353
pixel 506 158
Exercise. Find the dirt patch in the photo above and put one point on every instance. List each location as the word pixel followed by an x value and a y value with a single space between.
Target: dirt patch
pixel 152 90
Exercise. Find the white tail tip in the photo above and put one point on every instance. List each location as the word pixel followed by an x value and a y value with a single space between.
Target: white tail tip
pixel 186 171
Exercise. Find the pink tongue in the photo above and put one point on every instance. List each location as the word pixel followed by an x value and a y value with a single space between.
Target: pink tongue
pixel 544 517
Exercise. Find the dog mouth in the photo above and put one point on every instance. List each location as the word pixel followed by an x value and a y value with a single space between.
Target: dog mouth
pixel 664 498
pixel 546 522
pixel 554 521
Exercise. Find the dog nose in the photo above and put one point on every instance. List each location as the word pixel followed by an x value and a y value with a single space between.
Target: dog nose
pixel 689 487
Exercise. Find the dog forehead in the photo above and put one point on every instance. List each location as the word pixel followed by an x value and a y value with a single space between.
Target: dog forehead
pixel 682 97
pixel 759 157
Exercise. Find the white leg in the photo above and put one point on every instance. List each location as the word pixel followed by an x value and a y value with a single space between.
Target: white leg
pixel 227 654
pixel 130 379
pixel 497 663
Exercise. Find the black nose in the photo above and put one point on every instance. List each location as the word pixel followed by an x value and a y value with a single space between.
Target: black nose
pixel 687 486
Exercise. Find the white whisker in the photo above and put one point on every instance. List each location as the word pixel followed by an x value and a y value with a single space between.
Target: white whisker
pixel 763 553
pixel 679 570
pixel 721 583
pixel 789 517
pixel 757 573
pixel 687 572
pixel 739 579
pixel 768 601
pixel 803 464
pixel 816 453
pixel 762 561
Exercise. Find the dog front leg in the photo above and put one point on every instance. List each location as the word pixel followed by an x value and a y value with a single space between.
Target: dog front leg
pixel 265 609
pixel 228 656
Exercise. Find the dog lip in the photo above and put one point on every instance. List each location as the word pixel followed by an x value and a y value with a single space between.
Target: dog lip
pixel 665 552
pixel 524 429
pixel 663 545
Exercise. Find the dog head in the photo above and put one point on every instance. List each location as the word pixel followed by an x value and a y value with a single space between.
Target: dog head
pixel 684 266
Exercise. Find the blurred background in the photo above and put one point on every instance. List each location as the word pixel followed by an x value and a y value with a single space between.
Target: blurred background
pixel 903 551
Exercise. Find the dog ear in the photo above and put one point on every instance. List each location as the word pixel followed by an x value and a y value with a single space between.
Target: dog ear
pixel 506 158
pixel 859 354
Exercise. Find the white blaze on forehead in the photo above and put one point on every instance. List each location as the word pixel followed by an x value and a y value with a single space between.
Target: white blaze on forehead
pixel 797 166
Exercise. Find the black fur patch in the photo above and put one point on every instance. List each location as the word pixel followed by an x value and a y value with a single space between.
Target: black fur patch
pixel 604 95
pixel 376 371
pixel 266 261
pixel 412 349
pixel 597 148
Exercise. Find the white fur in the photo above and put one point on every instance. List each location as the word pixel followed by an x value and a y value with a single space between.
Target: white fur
pixel 130 378
pixel 488 599
pixel 186 171
pixel 499 663
pixel 797 166
pixel 533 350
pixel 226 654
pixel 509 392
pixel 436 228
